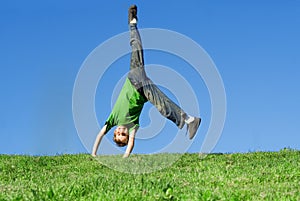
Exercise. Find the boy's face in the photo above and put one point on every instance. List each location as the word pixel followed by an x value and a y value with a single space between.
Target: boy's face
pixel 122 134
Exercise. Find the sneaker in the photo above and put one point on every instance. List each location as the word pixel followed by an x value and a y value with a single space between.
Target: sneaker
pixel 132 12
pixel 193 126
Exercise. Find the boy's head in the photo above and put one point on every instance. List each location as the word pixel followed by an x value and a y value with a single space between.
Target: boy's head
pixel 121 136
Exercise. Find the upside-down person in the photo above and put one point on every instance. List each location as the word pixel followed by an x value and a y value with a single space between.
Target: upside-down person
pixel 137 90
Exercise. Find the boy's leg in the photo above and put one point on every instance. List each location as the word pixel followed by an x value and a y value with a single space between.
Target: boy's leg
pixel 164 104
pixel 137 57
pixel 169 109
pixel 137 72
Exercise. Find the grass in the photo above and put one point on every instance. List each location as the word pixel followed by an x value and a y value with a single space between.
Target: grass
pixel 251 176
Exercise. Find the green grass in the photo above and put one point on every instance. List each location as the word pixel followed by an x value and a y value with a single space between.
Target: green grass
pixel 251 176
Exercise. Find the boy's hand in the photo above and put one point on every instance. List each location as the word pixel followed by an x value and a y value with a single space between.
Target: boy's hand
pixel 126 155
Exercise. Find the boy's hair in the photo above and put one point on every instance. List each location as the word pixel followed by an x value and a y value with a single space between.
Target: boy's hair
pixel 118 142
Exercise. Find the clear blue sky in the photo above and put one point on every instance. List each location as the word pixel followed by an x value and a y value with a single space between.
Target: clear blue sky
pixel 254 44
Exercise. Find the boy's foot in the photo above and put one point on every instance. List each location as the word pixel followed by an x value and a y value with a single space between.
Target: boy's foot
pixel 132 14
pixel 193 127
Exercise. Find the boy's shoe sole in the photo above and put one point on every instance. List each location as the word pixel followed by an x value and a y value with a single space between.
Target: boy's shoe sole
pixel 193 127
pixel 132 13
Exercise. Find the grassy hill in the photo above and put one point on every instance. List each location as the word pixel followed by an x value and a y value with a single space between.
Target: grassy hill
pixel 251 176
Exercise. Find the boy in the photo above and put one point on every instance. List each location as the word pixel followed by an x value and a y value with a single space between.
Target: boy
pixel 137 90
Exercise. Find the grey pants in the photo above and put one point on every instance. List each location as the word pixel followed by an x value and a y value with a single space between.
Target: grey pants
pixel 146 87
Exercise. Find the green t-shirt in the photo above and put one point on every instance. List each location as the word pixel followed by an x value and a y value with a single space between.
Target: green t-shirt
pixel 127 108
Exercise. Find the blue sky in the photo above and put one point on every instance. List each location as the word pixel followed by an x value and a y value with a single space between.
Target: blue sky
pixel 255 46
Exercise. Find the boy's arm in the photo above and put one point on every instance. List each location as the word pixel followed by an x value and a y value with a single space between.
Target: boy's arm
pixel 130 144
pixel 98 140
